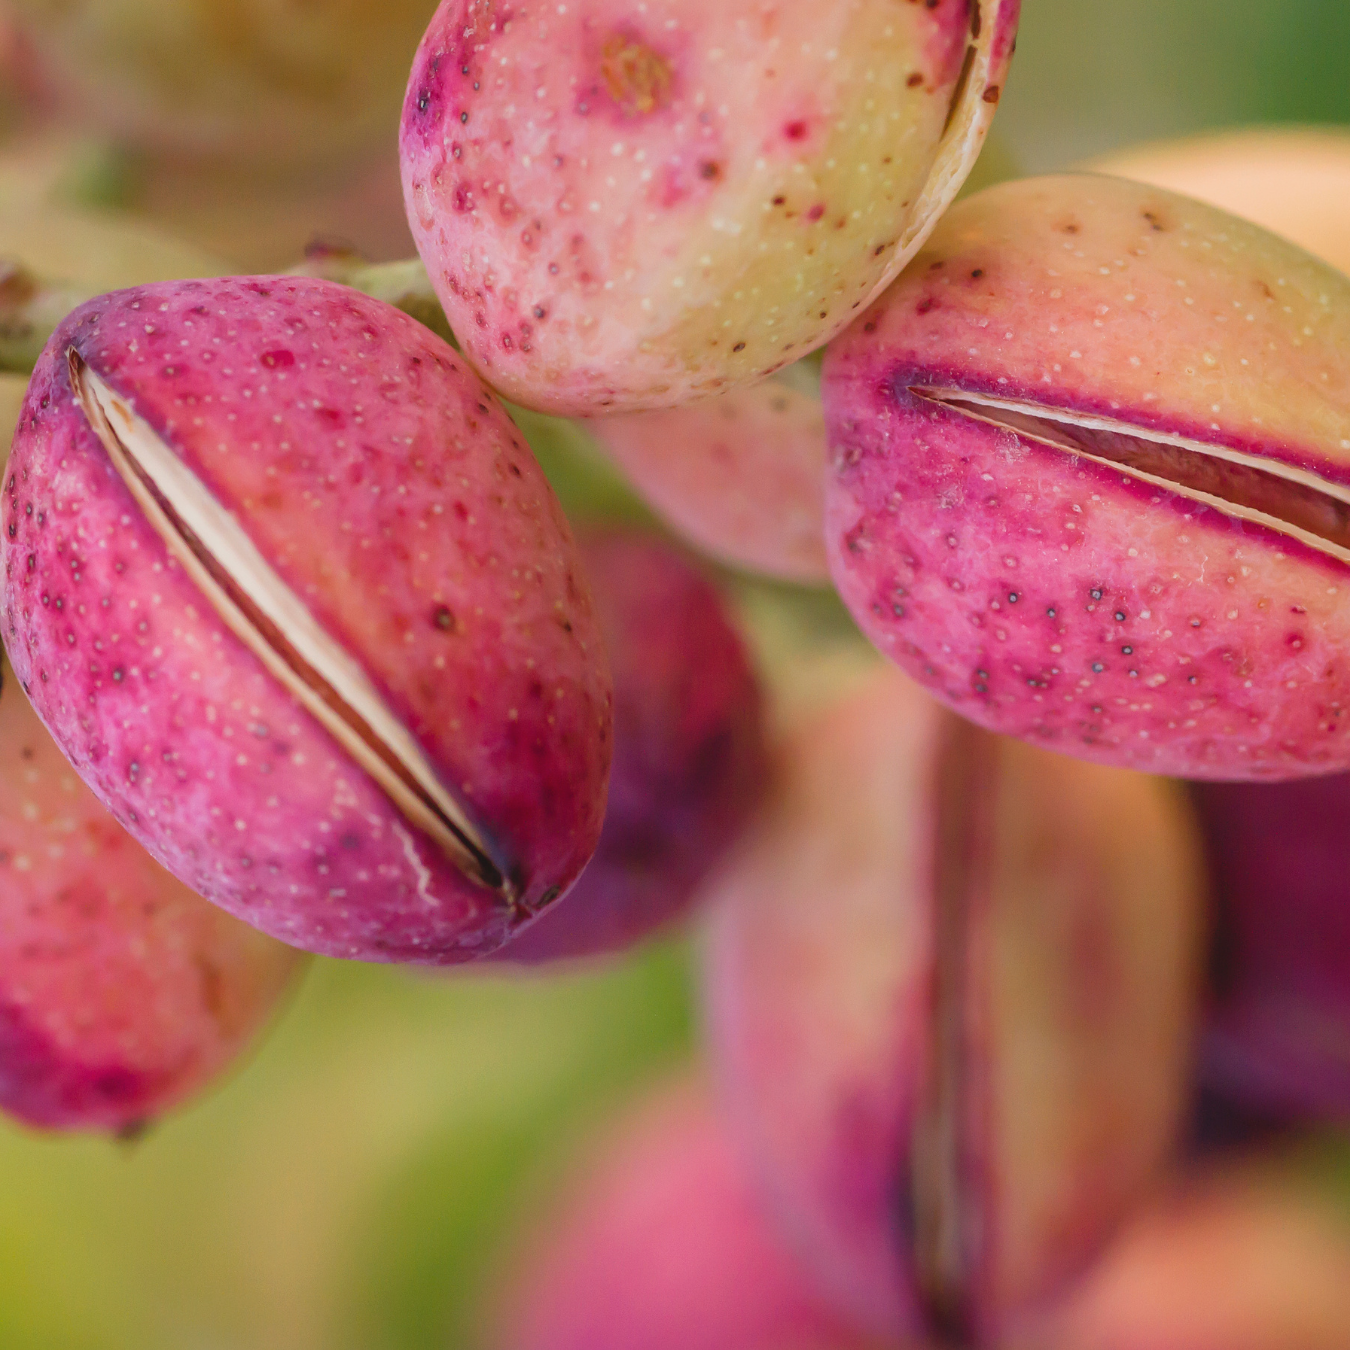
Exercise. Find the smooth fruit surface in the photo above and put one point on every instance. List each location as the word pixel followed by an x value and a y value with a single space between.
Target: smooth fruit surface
pixel 625 208
pixel 402 513
pixel 950 996
pixel 742 476
pixel 1239 1257
pixel 1090 473
pixel 1278 1031
pixel 662 1246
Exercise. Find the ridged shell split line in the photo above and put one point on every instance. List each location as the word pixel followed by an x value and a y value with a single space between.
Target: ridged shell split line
pixel 263 612
pixel 1289 500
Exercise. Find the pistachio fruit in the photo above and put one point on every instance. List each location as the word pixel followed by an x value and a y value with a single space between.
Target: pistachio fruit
pixel 627 208
pixel 1244 1255
pixel 1277 1037
pixel 121 992
pixel 659 1243
pixel 1292 181
pixel 1091 478
pixel 690 760
pixel 950 994
pixel 742 477
pixel 289 590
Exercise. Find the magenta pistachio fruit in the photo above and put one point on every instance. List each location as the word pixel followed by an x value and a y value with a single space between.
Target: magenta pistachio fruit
pixel 121 992
pixel 950 989
pixel 742 477
pixel 1242 1257
pixel 661 1245
pixel 291 593
pixel 1277 1037
pixel 690 759
pixel 1091 480
pixel 626 207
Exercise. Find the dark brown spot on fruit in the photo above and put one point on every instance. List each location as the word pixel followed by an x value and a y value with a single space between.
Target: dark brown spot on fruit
pixel 638 79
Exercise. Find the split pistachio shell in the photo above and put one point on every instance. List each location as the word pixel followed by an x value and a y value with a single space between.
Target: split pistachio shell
pixel 290 591
pixel 1091 480
pixel 625 209
pixel 950 983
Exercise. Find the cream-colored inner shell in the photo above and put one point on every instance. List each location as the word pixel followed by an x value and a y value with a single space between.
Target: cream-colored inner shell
pixel 1056 427
pixel 210 545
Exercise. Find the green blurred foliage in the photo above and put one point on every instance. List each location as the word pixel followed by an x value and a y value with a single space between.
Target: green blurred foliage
pixel 347 1188
pixel 1089 77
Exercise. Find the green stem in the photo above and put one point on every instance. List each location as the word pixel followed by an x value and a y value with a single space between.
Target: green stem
pixel 31 307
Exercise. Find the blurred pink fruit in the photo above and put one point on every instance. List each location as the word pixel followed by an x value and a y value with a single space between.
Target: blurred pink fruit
pixel 1234 1259
pixel 1278 1033
pixel 741 477
pixel 950 995
pixel 689 755
pixel 121 992
pixel 661 1246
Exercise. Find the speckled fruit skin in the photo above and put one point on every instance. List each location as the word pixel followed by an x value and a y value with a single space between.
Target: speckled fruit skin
pixel 690 760
pixel 823 975
pixel 1246 1256
pixel 742 477
pixel 390 492
pixel 662 1246
pixel 121 992
pixel 625 207
pixel 1278 1031
pixel 1059 600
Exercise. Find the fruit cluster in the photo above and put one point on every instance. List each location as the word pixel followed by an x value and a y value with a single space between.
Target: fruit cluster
pixel 285 586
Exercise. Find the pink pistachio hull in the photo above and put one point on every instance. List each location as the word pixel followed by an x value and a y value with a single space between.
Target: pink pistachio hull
pixel 629 206
pixel 391 493
pixel 1278 1032
pixel 741 477
pixel 1239 1258
pixel 665 1249
pixel 121 992
pixel 1057 599
pixel 824 977
pixel 690 759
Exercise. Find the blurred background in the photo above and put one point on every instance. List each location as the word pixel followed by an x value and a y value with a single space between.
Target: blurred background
pixel 352 1187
